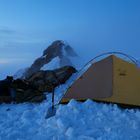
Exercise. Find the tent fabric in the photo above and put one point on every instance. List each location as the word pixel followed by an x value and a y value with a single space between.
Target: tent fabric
pixel 111 80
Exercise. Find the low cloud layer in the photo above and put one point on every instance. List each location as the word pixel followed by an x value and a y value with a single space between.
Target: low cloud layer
pixel 6 31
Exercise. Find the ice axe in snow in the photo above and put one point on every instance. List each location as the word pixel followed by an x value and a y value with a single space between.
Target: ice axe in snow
pixel 51 110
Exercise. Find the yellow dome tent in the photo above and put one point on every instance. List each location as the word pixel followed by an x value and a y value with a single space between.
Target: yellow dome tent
pixel 111 79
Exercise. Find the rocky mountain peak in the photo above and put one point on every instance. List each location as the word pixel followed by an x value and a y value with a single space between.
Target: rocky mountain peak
pixel 55 49
pixel 59 48
pixel 59 51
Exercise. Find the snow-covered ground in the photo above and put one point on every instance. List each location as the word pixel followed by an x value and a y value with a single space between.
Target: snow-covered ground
pixel 74 121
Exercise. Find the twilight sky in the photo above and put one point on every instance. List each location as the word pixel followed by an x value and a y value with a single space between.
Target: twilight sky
pixel 91 27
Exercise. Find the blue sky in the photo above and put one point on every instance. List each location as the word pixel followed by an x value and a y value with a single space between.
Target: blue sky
pixel 89 26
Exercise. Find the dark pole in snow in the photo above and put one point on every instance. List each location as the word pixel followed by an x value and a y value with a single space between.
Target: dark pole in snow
pixel 53 98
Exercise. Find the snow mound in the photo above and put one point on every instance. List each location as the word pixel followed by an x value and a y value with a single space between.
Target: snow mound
pixel 74 121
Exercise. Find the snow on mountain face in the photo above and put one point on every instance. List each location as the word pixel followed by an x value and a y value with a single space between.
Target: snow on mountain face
pixel 61 50
pixel 74 121
pixel 54 64
pixel 20 73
